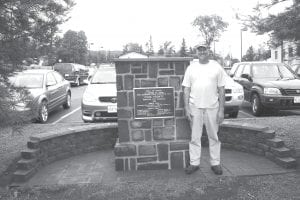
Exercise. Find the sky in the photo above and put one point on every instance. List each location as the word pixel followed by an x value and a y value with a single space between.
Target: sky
pixel 111 24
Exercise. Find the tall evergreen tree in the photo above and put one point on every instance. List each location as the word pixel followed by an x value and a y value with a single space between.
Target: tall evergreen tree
pixel 183 52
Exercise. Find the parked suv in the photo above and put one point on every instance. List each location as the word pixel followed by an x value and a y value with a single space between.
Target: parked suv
pixel 268 86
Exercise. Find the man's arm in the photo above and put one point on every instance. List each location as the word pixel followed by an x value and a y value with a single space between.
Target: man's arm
pixel 220 117
pixel 186 92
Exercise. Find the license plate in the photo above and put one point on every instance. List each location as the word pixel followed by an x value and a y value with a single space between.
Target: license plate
pixel 66 74
pixel 112 109
pixel 296 99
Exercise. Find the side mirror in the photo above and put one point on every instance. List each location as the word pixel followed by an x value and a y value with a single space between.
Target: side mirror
pixel 246 76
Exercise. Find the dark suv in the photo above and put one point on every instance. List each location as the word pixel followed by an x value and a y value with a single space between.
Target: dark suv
pixel 268 86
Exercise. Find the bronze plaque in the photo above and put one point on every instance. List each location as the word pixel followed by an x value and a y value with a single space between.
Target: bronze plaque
pixel 154 102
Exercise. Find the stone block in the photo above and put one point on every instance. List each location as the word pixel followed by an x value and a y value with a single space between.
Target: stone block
pixel 147 149
pixel 122 68
pixel 287 162
pixel 122 150
pixel 140 76
pixel 281 151
pixel 164 133
pixel 263 146
pixel 257 151
pixel 179 145
pixel 268 134
pixel 122 99
pixel 132 163
pixel 130 100
pixel 128 82
pixel 124 113
pixel 179 113
pixel 137 83
pixel 153 166
pixel 33 144
pixel 166 72
pixel 275 142
pixel 123 130
pixel 140 124
pixel 157 122
pixel 120 82
pixel 175 82
pixel 179 68
pixel 137 135
pixel 30 153
pixel 153 70
pixel 169 121
pixel 119 164
pixel 177 161
pixel 146 159
pixel 163 151
pixel 148 83
pixel 136 70
pixel 163 82
pixel 126 164
pixel 187 158
pixel 148 135
pixel 183 130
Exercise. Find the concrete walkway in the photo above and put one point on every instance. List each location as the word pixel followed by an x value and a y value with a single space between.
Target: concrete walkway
pixel 98 167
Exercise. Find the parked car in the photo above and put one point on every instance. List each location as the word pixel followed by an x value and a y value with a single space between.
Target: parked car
pixel 234 97
pixel 99 101
pixel 75 73
pixel 47 91
pixel 268 86
pixel 296 68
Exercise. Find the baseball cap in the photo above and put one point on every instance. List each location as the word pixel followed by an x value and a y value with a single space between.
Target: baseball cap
pixel 201 46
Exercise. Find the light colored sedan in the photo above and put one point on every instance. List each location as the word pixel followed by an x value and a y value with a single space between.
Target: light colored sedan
pixel 99 101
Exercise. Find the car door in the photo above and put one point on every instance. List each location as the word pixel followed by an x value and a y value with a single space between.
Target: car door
pixel 246 82
pixel 52 91
pixel 61 87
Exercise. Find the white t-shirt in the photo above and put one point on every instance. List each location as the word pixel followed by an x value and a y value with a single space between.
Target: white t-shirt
pixel 204 80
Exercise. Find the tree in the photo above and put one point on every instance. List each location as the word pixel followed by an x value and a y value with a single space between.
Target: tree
pixel 250 55
pixel 183 52
pixel 149 46
pixel 281 26
pixel 27 30
pixel 133 47
pixel 73 48
pixel 210 27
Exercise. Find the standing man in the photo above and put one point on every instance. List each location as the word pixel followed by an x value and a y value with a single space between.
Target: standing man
pixel 204 96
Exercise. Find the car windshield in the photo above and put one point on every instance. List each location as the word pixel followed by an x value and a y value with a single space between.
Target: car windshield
pixel 27 80
pixel 103 77
pixel 272 71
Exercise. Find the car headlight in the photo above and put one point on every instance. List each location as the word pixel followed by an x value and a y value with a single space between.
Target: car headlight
pixel 272 91
pixel 237 90
pixel 89 97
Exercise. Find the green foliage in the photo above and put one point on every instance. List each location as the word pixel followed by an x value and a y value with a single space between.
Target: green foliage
pixel 149 46
pixel 73 47
pixel 282 26
pixel 182 51
pixel 210 27
pixel 27 30
pixel 259 55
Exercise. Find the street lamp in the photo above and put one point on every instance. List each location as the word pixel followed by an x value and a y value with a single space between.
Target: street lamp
pixel 243 29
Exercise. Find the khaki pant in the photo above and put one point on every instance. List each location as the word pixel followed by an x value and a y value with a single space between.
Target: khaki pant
pixel 209 118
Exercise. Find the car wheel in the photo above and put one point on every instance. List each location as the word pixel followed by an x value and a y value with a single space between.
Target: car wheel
pixel 67 104
pixel 257 107
pixel 233 114
pixel 43 112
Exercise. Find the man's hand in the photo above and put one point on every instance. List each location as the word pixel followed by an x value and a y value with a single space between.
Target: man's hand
pixel 188 113
pixel 220 117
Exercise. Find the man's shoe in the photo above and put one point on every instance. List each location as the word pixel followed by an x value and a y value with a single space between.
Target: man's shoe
pixel 217 169
pixel 191 169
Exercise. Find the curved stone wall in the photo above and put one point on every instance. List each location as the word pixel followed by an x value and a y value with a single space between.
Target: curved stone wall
pixel 52 146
